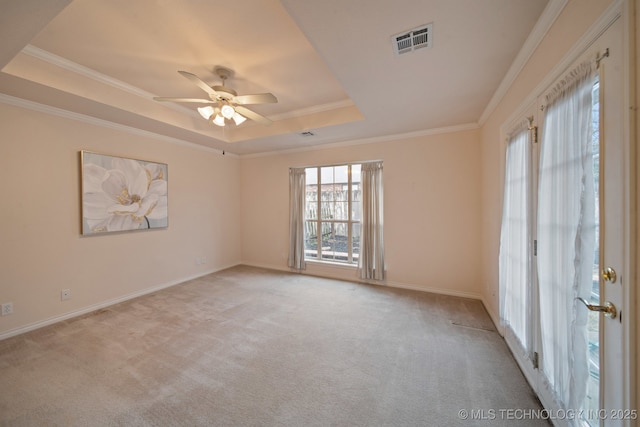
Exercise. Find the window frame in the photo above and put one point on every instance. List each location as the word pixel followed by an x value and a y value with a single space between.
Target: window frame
pixel 318 221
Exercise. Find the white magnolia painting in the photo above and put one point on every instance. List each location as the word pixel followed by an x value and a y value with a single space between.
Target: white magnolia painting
pixel 120 194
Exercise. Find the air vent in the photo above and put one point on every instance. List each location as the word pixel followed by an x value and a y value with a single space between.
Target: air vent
pixel 412 40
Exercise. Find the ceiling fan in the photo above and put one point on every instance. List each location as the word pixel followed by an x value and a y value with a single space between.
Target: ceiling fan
pixel 227 104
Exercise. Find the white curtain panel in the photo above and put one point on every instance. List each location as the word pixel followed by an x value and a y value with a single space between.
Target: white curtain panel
pixel 297 193
pixel 566 235
pixel 516 241
pixel 371 263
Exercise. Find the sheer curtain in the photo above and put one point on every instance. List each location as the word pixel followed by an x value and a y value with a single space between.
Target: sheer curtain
pixel 515 259
pixel 297 194
pixel 566 235
pixel 371 264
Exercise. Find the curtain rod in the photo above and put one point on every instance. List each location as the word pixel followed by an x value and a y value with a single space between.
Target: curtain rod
pixel 335 164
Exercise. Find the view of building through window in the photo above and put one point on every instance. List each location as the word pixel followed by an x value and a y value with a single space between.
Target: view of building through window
pixel 333 213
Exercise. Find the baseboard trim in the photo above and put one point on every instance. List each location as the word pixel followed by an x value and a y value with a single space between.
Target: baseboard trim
pixel 433 290
pixel 98 306
pixel 391 284
pixel 69 315
pixel 494 318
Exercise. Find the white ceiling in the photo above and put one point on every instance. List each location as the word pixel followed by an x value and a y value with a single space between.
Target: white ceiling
pixel 330 63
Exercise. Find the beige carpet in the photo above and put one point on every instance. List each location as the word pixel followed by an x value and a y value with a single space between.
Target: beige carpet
pixel 253 347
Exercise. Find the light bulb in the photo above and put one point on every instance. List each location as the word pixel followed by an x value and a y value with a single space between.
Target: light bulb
pixel 206 112
pixel 238 119
pixel 227 111
pixel 219 120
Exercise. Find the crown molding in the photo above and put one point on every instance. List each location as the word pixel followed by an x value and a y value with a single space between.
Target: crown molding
pixel 87 72
pixel 539 31
pixel 47 109
pixel 372 140
pixel 605 20
pixel 76 68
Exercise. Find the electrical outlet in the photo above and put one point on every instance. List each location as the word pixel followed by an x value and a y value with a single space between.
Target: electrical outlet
pixel 7 308
pixel 65 294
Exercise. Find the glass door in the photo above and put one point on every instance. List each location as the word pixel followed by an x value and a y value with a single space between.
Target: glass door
pixel 592 399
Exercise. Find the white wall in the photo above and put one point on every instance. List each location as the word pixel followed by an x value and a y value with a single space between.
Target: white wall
pixel 41 249
pixel 431 207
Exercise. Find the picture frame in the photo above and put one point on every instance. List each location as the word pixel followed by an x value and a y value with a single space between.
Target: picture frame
pixel 121 194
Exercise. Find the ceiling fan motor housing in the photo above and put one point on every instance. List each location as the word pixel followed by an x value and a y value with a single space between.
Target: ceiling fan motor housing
pixel 223 93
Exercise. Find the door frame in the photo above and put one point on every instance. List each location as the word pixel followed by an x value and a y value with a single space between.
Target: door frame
pixel 631 328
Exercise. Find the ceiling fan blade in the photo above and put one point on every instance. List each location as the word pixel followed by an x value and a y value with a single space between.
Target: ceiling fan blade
pixel 258 98
pixel 199 82
pixel 198 100
pixel 253 115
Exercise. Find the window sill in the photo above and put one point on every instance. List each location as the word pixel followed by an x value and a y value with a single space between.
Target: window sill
pixel 332 264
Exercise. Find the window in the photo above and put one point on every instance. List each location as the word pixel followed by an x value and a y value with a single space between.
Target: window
pixel 516 265
pixel 333 211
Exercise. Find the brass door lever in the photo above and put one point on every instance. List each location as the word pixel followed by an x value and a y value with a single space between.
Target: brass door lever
pixel 608 308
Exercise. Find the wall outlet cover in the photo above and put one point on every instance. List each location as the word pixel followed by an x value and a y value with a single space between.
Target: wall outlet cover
pixel 7 308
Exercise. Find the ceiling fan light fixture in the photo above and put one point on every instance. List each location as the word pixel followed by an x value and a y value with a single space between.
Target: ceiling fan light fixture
pixel 206 112
pixel 218 120
pixel 227 111
pixel 225 100
pixel 238 119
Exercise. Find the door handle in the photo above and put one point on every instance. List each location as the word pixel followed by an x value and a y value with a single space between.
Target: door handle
pixel 608 308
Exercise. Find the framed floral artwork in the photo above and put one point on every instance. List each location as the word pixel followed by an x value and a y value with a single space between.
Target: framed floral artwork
pixel 120 194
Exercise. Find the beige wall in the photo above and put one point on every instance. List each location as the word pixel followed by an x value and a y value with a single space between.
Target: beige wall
pixel 42 251
pixel 431 208
pixel 573 22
